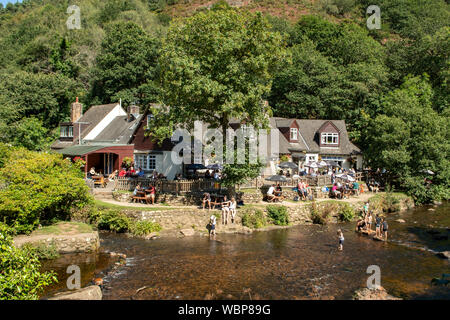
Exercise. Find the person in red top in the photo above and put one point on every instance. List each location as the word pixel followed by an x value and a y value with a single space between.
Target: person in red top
pixel 151 194
pixel 122 173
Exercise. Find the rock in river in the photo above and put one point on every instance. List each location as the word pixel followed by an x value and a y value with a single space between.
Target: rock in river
pixel 88 293
pixel 444 254
pixel 373 294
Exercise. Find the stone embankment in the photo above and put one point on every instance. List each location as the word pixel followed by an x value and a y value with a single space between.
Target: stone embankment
pixel 73 243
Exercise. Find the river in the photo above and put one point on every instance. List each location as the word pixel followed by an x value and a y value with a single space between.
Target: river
pixel 300 262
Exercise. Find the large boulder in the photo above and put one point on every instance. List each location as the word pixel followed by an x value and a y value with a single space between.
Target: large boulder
pixel 373 294
pixel 444 254
pixel 88 293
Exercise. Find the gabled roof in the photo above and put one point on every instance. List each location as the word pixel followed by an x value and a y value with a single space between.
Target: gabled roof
pixel 120 130
pixel 94 115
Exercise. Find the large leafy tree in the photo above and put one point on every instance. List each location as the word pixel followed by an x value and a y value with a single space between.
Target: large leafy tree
pixel 126 66
pixel 408 138
pixel 217 65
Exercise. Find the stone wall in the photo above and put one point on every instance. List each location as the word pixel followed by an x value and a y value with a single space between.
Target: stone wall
pixel 77 243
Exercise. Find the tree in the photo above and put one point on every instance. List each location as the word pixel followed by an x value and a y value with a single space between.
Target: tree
pixel 38 188
pixel 126 66
pixel 218 65
pixel 410 138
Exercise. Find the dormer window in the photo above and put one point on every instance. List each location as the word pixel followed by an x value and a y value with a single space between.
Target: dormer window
pixel 66 131
pixel 330 138
pixel 294 133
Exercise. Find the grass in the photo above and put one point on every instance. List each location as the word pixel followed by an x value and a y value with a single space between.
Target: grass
pixel 106 205
pixel 64 227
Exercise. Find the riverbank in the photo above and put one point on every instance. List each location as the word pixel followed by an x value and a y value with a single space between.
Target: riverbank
pixel 182 221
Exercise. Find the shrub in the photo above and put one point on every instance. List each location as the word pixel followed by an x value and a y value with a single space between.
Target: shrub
pixel 39 188
pixel 254 219
pixel 44 251
pixel 278 215
pixel 113 220
pixel 20 278
pixel 319 216
pixel 142 228
pixel 346 212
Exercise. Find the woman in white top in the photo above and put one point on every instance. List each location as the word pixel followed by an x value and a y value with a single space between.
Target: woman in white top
pixel 225 210
pixel 232 208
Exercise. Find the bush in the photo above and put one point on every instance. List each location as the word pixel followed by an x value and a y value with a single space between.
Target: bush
pixel 113 220
pixel 278 215
pixel 346 213
pixel 39 188
pixel 319 216
pixel 20 278
pixel 44 251
pixel 254 219
pixel 143 228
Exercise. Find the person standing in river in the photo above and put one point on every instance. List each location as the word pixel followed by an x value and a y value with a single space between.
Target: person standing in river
pixel 341 239
pixel 385 229
pixel 378 226
pixel 212 226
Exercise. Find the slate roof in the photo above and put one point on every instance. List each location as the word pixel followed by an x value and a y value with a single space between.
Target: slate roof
pixel 94 115
pixel 119 130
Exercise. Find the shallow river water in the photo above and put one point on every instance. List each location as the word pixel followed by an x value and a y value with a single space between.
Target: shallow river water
pixel 301 262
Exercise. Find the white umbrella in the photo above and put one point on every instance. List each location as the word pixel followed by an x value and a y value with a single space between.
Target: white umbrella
pixel 312 165
pixel 345 177
pixel 323 164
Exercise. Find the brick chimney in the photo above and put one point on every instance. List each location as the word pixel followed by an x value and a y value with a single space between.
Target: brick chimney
pixel 133 112
pixel 76 111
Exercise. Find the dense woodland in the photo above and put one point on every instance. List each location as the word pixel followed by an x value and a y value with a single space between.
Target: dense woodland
pixel 389 85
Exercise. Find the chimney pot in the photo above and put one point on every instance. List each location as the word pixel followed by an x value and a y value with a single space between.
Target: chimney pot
pixel 76 111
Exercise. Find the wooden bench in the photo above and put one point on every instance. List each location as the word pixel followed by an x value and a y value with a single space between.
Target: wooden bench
pixel 139 196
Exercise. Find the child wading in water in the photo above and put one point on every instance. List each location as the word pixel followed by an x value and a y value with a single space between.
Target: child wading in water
pixel 341 239
pixel 212 226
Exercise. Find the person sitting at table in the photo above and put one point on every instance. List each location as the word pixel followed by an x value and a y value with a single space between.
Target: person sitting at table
pixel 356 187
pixel 278 190
pixel 154 175
pixel 206 200
pixel 207 175
pixel 113 175
pixel 140 173
pixel 122 173
pixel 92 171
pixel 233 206
pixel 271 194
pixel 225 210
pixel 137 189
pixel 150 194
pixel 161 176
pixel 334 191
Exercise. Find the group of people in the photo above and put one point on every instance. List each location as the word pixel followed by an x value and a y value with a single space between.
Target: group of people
pixel 275 193
pixel 303 190
pixel 365 223
pixel 343 190
pixel 228 207
pixel 150 192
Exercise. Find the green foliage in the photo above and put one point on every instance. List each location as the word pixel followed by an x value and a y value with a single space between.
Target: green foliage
pixel 144 227
pixel 126 66
pixel 414 139
pixel 278 214
pixel 254 218
pixel 112 220
pixel 20 278
pixel 319 216
pixel 44 251
pixel 346 212
pixel 38 188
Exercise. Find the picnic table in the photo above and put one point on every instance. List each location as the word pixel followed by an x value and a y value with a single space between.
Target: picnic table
pixel 140 195
pixel 99 181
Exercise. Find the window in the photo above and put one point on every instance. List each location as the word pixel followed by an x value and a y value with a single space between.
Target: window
pixel 66 131
pixel 330 138
pixel 294 133
pixel 146 161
